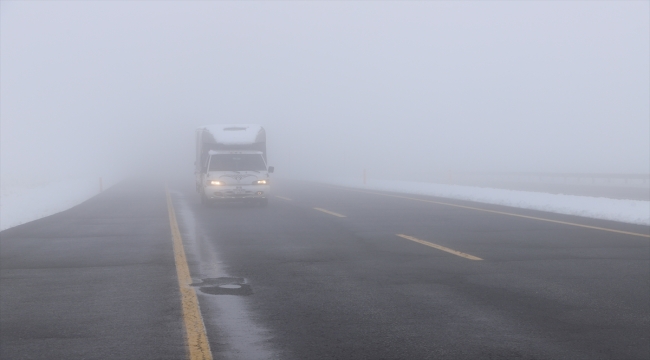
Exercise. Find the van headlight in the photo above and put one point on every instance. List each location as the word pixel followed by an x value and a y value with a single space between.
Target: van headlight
pixel 260 182
pixel 215 182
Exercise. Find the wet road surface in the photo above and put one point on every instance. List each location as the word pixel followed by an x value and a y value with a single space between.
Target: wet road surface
pixel 324 273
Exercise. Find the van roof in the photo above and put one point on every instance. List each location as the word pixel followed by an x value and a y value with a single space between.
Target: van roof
pixel 218 152
pixel 236 134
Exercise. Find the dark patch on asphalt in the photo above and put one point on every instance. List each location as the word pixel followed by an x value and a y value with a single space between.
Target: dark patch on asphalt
pixel 235 289
pixel 224 286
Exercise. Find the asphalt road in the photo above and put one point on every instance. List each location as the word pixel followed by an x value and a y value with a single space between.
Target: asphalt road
pixel 95 282
pixel 321 273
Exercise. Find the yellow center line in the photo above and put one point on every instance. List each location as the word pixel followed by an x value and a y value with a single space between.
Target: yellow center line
pixel 197 340
pixel 283 198
pixel 498 212
pixel 330 212
pixel 440 247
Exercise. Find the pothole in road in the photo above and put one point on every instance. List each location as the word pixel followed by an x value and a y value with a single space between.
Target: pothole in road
pixel 242 289
pixel 224 286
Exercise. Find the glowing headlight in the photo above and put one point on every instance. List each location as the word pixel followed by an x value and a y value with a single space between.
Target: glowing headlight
pixel 215 182
pixel 260 182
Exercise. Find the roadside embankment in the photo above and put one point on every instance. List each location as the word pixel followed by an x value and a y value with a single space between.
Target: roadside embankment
pixel 622 210
pixel 22 203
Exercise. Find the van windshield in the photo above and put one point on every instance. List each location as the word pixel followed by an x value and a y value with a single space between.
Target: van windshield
pixel 237 162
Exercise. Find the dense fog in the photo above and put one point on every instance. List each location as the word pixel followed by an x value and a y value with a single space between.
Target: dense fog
pixel 403 89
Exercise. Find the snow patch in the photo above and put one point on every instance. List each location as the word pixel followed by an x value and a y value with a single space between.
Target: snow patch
pixel 20 204
pixel 628 211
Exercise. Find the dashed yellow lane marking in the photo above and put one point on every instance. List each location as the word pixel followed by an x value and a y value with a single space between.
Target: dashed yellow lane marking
pixel 440 247
pixel 197 340
pixel 498 212
pixel 283 198
pixel 330 212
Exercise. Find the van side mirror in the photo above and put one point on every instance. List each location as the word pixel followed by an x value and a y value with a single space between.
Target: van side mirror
pixel 271 169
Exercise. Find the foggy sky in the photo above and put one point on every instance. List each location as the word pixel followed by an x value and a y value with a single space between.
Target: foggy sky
pixel 400 88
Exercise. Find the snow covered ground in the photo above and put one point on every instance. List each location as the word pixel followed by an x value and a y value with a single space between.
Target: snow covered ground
pixel 24 203
pixel 628 211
